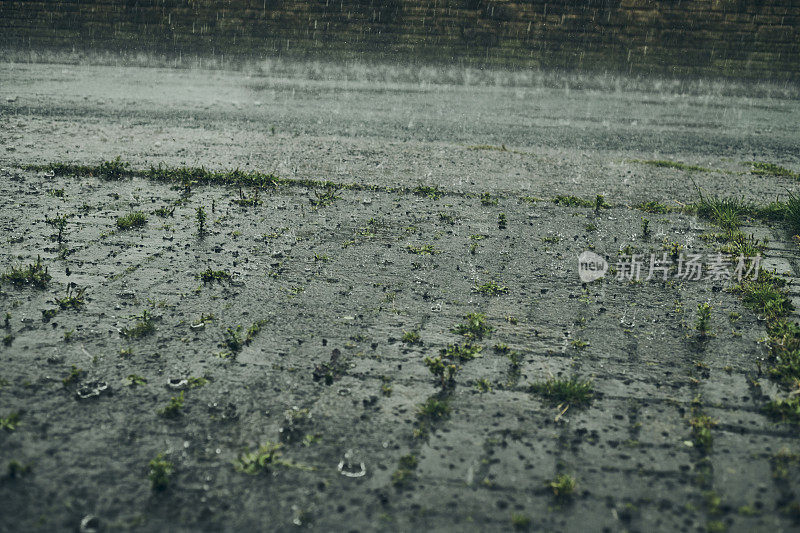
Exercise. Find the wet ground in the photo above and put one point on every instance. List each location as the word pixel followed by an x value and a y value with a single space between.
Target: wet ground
pixel 329 285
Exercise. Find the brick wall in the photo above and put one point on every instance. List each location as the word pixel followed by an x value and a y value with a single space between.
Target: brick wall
pixel 756 39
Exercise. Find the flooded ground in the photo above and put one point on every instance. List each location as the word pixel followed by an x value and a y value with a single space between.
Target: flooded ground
pixel 300 313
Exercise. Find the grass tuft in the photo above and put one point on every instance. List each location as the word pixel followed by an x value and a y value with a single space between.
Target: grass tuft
pixel 210 276
pixel 173 408
pixel 563 486
pixel 772 169
pixel 558 391
pixel 476 327
pixel 136 219
pixel 653 206
pixel 34 275
pixel 266 457
pixel 145 326
pixel 10 422
pixel 490 289
pixel 434 409
pixel 160 472
pixel 411 337
pixel 572 201
pixel 672 164
pixel 465 352
pixel 765 295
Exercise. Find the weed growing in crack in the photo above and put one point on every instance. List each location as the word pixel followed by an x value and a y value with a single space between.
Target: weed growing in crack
pixel 404 475
pixel 772 169
pixel 411 337
pixel 703 324
pixel 34 275
pixel 600 203
pixel 673 249
pixel 653 206
pixel 74 298
pixel 765 295
pixel 266 457
pixel 234 339
pixel 210 276
pixel 473 247
pixel 165 212
pixel 520 521
pixel 136 219
pixel 434 409
pixel 173 407
pixel 447 218
pixel 444 371
pixel 425 249
pixel 483 385
pixel 792 213
pixel 160 472
pixel 253 330
pixel 73 376
pixel 59 222
pixel 114 169
pixel 558 391
pixel 563 486
pixel 465 352
pixel 432 193
pixel 737 243
pixel 488 200
pixel 781 463
pixel 327 197
pixel 579 344
pixel 245 201
pixel 490 288
pixel 10 422
pixel 701 431
pixel 502 222
pixel 513 356
pixel 15 469
pixel 386 386
pixel 724 212
pixel 200 218
pixel 145 326
pixel 134 380
pixel 197 382
pixel 572 201
pixel 672 164
pixel 109 170
pixel 475 328
pixel 784 409
pixel 646 232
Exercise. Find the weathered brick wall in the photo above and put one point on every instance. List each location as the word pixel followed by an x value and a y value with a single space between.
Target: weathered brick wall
pixel 728 38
